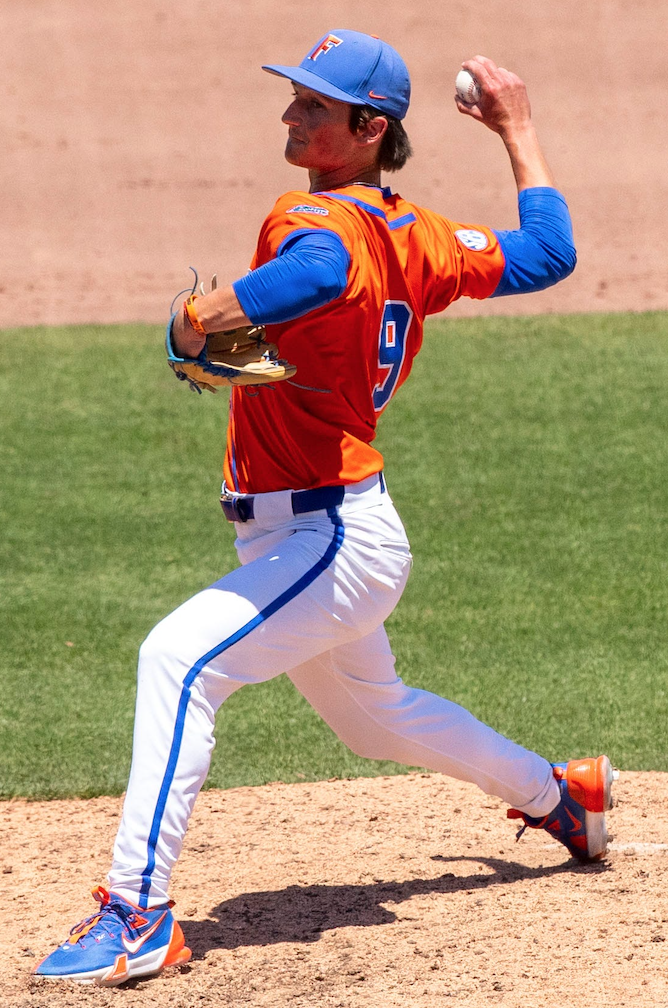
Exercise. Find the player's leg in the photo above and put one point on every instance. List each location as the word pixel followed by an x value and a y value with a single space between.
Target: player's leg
pixel 246 628
pixel 303 589
pixel 308 583
pixel 356 690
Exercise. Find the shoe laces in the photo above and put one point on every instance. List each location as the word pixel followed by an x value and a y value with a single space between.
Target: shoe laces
pixel 110 908
pixel 535 824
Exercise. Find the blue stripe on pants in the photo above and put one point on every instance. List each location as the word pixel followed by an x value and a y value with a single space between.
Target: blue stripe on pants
pixel 304 581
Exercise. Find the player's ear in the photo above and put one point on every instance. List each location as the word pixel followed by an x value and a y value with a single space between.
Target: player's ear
pixel 373 130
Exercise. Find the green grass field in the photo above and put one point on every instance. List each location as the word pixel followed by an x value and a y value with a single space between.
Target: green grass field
pixel 528 458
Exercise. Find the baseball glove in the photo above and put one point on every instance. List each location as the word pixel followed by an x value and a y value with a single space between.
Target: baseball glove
pixel 235 357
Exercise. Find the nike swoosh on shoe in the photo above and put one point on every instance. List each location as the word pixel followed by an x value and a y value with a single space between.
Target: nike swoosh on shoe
pixel 134 944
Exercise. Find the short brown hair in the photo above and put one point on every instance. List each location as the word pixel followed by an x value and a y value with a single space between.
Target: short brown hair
pixel 395 147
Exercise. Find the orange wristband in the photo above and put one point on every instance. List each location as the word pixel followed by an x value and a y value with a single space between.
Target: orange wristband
pixel 191 315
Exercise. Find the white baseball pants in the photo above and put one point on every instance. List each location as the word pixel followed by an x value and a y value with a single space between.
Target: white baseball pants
pixel 309 600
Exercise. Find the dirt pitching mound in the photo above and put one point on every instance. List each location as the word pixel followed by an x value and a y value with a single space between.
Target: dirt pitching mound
pixel 392 892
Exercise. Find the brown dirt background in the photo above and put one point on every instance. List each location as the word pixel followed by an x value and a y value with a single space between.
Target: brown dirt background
pixel 139 139
pixel 383 893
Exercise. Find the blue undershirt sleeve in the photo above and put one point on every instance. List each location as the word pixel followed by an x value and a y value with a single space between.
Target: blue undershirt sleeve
pixel 310 270
pixel 541 252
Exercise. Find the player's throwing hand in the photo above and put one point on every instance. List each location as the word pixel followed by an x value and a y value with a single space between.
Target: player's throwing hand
pixel 504 103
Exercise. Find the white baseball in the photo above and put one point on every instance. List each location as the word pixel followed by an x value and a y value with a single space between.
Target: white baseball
pixel 467 88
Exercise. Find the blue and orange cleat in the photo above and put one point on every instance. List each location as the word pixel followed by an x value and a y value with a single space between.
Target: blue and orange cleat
pixel 119 942
pixel 578 821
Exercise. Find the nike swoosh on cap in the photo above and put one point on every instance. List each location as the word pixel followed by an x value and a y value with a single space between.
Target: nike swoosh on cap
pixel 372 94
pixel 133 945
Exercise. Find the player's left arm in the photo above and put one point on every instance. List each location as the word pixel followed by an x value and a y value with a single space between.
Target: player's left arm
pixel 505 109
pixel 541 252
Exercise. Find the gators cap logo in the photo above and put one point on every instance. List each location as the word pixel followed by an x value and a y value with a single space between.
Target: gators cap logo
pixel 322 47
pixel 360 70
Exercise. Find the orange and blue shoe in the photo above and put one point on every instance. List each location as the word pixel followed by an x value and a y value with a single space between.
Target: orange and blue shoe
pixel 119 942
pixel 578 821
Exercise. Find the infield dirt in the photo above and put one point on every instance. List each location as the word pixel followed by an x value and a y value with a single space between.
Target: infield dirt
pixel 382 893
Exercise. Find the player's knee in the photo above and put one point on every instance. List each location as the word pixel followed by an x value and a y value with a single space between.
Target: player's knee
pixel 157 653
pixel 367 748
pixel 366 751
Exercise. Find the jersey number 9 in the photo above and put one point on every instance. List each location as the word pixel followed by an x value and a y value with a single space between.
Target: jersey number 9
pixel 397 317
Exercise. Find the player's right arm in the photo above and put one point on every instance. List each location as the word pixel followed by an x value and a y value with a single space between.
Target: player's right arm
pixel 306 267
pixel 216 312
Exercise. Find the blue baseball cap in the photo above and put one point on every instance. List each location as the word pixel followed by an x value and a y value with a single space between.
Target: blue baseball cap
pixel 355 68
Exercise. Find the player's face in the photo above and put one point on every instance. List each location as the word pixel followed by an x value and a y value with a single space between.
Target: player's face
pixel 319 135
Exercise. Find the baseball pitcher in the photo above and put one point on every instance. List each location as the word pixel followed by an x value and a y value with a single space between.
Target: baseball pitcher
pixel 315 340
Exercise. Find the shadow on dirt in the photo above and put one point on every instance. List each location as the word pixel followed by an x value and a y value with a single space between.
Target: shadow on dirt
pixel 302 913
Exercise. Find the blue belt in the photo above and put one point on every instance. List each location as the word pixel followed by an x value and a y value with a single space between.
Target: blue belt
pixel 242 509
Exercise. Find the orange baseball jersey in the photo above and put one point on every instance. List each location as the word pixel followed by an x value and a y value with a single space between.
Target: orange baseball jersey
pixel 353 353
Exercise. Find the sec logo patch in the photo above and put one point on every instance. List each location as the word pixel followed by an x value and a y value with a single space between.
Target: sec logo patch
pixel 474 240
